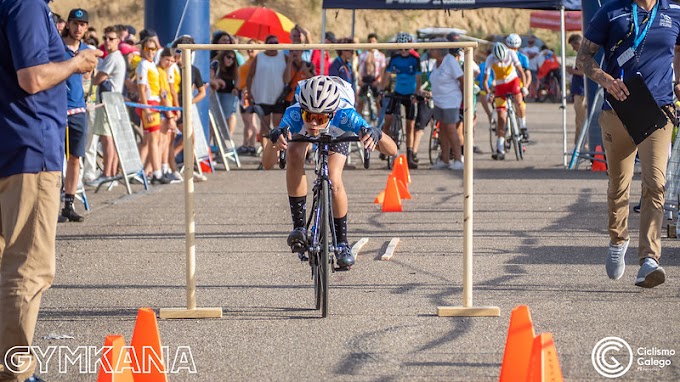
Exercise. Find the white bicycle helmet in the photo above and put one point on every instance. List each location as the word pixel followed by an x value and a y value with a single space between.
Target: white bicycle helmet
pixel 319 94
pixel 513 40
pixel 500 51
pixel 403 37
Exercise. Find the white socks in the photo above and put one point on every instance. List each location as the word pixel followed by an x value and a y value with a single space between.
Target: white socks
pixel 500 145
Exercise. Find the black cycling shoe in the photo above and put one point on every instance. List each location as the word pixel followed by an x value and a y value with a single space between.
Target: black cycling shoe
pixel 71 215
pixel 498 156
pixel 297 240
pixel 343 256
pixel 525 135
pixel 382 156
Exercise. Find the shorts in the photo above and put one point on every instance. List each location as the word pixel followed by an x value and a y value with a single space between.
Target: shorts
pixel 155 124
pixel 101 124
pixel 513 87
pixel 77 134
pixel 229 103
pixel 340 147
pixel 396 100
pixel 278 108
pixel 425 113
pixel 447 116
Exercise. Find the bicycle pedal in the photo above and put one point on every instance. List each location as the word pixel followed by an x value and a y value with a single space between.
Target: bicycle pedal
pixel 342 269
pixel 298 247
pixel 302 256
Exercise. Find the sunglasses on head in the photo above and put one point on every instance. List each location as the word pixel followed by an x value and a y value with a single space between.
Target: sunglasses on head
pixel 319 118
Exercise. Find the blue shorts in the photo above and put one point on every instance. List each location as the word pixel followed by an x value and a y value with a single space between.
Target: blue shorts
pixel 229 103
pixel 76 138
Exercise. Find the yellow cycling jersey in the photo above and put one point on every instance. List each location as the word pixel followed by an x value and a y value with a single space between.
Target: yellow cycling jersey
pixel 505 71
pixel 147 74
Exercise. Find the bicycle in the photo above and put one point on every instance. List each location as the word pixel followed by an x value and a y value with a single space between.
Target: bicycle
pixel 396 131
pixel 549 88
pixel 513 136
pixel 370 99
pixel 321 238
pixel 434 148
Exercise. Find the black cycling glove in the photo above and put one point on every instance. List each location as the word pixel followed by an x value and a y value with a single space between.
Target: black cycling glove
pixel 275 134
pixel 374 132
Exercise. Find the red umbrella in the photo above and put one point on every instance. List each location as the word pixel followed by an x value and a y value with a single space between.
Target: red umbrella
pixel 257 23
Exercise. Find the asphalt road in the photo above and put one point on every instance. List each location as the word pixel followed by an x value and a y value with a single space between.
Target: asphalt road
pixel 539 239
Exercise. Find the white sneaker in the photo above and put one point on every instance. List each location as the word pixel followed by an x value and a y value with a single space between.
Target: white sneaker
pixel 199 178
pixel 457 165
pixel 439 165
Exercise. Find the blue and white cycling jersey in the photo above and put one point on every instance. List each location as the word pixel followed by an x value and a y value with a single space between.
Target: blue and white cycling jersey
pixel 346 118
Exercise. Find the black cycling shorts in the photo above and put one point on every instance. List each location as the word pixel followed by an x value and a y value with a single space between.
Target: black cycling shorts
pixel 396 100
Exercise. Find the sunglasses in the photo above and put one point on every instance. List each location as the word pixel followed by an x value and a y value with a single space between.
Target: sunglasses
pixel 150 49
pixel 229 57
pixel 319 118
pixel 110 38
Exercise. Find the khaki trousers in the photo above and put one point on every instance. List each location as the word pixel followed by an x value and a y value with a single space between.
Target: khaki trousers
pixel 580 118
pixel 653 152
pixel 29 205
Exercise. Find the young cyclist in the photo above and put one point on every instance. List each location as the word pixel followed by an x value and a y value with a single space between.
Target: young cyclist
pixel 323 102
pixel 513 41
pixel 509 77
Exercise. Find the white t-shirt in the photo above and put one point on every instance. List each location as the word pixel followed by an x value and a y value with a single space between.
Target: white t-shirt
pixel 533 62
pixel 446 91
pixel 114 66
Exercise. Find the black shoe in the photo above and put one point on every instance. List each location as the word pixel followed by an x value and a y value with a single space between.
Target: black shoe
pixel 498 155
pixel 525 135
pixel 412 165
pixel 415 158
pixel 62 219
pixel 71 215
pixel 382 156
pixel 297 240
pixel 162 180
pixel 344 257
pixel 477 150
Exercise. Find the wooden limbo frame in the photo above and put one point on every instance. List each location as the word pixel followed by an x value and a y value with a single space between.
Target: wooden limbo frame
pixel 191 311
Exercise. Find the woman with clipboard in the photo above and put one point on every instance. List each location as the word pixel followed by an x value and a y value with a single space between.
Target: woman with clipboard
pixel 640 39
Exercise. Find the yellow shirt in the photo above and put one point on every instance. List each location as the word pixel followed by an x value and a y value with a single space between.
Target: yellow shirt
pixel 166 95
pixel 175 77
pixel 504 72
pixel 147 74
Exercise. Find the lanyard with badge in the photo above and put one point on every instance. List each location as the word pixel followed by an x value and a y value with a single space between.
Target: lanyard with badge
pixel 639 37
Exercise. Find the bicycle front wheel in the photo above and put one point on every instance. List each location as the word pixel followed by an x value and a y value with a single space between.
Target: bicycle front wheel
pixel 324 261
pixel 492 135
pixel 515 136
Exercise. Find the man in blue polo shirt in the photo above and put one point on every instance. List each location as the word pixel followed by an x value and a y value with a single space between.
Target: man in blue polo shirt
pixel 76 133
pixel 32 121
pixel 639 36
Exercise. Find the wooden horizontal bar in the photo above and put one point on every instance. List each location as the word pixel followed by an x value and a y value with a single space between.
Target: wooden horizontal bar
pixel 459 311
pixel 386 45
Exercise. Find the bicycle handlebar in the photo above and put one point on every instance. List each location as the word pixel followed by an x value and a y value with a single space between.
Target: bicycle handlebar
pixel 325 138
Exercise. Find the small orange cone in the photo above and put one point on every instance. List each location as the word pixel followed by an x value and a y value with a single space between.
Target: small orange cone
pixel 380 198
pixel 403 190
pixel 400 169
pixel 599 165
pixel 115 362
pixel 146 340
pixel 518 345
pixel 392 202
pixel 544 365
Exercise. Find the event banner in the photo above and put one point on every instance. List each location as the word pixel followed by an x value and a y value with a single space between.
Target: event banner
pixel 450 4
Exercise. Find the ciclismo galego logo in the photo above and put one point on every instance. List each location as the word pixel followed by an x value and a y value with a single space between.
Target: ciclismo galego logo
pixel 612 357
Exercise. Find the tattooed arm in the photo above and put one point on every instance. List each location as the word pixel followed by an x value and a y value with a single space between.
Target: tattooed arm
pixel 585 59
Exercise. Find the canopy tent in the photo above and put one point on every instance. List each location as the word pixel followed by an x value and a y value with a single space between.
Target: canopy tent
pixel 551 20
pixel 561 5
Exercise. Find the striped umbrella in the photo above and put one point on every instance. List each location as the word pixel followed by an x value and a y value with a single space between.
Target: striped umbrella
pixel 256 23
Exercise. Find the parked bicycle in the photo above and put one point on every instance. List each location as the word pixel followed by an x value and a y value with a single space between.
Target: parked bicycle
pixel 321 241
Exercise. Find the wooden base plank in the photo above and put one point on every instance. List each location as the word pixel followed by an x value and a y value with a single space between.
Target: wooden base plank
pixel 357 247
pixel 391 247
pixel 475 311
pixel 172 313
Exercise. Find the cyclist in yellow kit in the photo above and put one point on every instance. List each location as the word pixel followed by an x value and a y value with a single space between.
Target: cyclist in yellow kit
pixel 509 79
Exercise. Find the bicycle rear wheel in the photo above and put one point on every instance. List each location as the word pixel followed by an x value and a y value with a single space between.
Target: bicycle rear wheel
pixel 397 134
pixel 434 146
pixel 324 262
pixel 492 134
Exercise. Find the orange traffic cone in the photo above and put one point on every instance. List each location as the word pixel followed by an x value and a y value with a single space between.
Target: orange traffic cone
pixel 403 190
pixel 599 163
pixel 544 365
pixel 380 198
pixel 392 202
pixel 400 169
pixel 518 346
pixel 146 340
pixel 115 362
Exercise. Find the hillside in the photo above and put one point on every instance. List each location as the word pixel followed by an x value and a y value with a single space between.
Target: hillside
pixel 308 13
